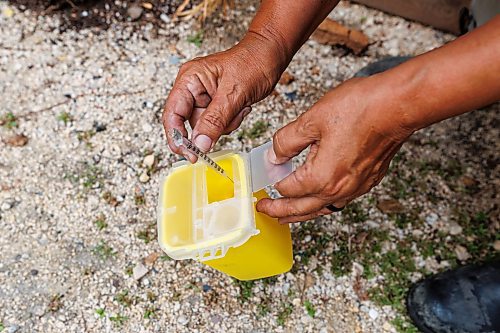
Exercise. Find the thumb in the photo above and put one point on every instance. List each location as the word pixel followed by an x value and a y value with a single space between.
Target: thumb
pixel 290 140
pixel 214 121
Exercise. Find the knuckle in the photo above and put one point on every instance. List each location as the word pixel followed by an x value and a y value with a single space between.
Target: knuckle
pixel 214 121
pixel 293 210
pixel 164 117
pixel 301 177
pixel 184 68
pixel 308 126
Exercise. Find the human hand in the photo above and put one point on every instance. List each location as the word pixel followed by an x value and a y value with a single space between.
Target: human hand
pixel 353 133
pixel 215 93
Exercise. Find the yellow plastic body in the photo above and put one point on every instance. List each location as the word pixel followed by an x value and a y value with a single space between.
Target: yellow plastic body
pixel 266 248
pixel 266 254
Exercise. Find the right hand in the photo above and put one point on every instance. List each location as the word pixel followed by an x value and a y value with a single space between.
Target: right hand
pixel 214 93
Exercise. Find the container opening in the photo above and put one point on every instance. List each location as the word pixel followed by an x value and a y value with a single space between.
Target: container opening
pixel 219 187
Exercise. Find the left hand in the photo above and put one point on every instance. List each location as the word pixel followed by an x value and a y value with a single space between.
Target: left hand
pixel 353 133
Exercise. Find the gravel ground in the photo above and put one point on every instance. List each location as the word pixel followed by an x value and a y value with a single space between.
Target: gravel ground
pixel 77 201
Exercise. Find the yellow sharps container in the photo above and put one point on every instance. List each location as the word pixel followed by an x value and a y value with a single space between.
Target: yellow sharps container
pixel 206 217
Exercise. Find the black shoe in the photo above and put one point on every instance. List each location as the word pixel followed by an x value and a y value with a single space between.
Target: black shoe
pixel 381 66
pixel 462 300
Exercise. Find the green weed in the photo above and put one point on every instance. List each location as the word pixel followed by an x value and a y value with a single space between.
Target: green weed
pixel 100 312
pixel 123 298
pixel 149 313
pixel 9 120
pixel 284 313
pixel 309 308
pixel 118 319
pixel 100 222
pixel 65 117
pixel 103 250
pixel 246 289
pixel 197 38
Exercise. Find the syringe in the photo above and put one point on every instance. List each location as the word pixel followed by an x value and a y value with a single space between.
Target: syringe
pixel 180 141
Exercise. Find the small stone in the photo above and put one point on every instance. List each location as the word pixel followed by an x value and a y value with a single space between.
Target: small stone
pixel 139 271
pixel 174 60
pixel 296 302
pixel 13 329
pixel 34 272
pixel 496 245
pixel 147 128
pixel 206 288
pixel 149 161
pixel 164 17
pixel 215 319
pixel 387 326
pixel 99 127
pixel 431 219
pixel 455 229
pixel 390 206
pixel 7 204
pixel 292 96
pixel 144 178
pixel 147 5
pixel 461 253
pixel 134 12
pixel 373 314
pixel 357 269
pixel 417 232
pixel 148 104
pixel 182 320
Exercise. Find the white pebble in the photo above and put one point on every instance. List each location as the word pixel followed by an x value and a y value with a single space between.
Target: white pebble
pixel 148 161
pixel 373 314
pixel 139 271
pixel 144 178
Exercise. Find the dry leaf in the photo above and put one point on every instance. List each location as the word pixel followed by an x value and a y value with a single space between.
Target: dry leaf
pixel 390 206
pixel 151 258
pixel 17 140
pixel 286 78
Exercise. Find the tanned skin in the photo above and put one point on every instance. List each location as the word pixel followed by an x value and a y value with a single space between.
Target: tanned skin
pixel 354 130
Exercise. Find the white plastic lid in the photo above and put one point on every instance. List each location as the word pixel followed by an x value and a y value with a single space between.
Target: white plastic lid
pixel 265 173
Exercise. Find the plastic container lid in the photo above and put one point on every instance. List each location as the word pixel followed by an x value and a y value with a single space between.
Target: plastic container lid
pixel 202 214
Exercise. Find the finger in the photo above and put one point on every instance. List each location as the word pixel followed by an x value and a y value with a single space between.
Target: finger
pixel 195 116
pixel 216 118
pixel 302 218
pixel 199 86
pixel 290 140
pixel 236 122
pixel 284 207
pixel 301 182
pixel 178 108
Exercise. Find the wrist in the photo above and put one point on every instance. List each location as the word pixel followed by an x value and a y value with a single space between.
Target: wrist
pixel 397 97
pixel 270 47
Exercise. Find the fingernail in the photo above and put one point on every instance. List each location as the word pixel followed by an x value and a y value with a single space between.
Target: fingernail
pixel 271 156
pixel 203 142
